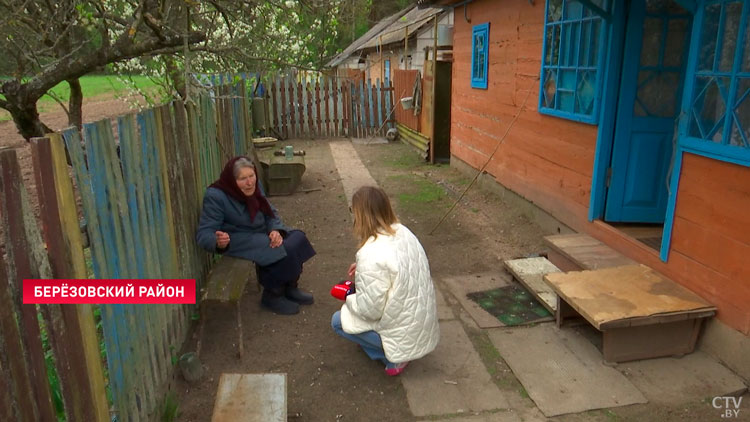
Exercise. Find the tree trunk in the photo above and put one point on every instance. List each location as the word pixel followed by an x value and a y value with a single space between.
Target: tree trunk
pixel 22 109
pixel 175 75
pixel 75 104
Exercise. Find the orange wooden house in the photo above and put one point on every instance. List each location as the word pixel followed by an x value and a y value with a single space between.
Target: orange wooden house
pixel 619 118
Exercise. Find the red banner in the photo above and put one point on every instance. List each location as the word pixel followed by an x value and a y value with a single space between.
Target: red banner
pixel 95 291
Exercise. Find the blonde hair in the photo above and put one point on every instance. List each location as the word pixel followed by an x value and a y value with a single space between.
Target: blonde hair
pixel 373 213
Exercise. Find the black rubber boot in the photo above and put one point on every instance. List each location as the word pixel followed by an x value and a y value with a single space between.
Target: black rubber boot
pixel 276 302
pixel 300 296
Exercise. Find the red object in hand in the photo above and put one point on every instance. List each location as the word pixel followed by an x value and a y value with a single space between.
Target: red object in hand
pixel 342 290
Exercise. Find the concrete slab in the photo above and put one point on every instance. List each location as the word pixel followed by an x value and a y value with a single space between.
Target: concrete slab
pixel 460 286
pixel 562 371
pixel 687 379
pixel 250 398
pixel 444 311
pixel 351 170
pixel 530 272
pixel 452 379
pixel 727 345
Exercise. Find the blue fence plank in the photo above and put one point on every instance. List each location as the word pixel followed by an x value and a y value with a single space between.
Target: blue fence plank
pixel 83 181
pixel 112 336
pixel 129 157
pixel 111 265
pixel 371 102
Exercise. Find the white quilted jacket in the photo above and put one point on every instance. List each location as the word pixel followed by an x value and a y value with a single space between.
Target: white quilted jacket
pixel 394 296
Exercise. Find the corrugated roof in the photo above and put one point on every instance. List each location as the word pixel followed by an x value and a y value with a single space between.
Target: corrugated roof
pixel 397 30
pixel 359 42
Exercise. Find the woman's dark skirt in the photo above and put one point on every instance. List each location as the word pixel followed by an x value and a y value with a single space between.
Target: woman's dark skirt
pixel 288 269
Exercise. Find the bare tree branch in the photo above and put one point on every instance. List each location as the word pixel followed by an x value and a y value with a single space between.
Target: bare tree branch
pixel 58 100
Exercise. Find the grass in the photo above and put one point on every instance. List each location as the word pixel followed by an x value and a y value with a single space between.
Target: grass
pixel 170 410
pixel 92 86
pixel 52 376
pixel 420 192
pixel 98 85
pixel 409 160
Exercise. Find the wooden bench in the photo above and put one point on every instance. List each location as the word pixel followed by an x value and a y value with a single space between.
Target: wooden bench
pixel 251 398
pixel 640 313
pixel 226 283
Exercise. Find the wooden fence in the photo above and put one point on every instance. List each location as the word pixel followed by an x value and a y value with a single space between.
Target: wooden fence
pixel 403 84
pixel 141 203
pixel 323 106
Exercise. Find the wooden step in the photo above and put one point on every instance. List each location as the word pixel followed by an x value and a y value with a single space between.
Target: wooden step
pixel 251 398
pixel 575 252
pixel 530 272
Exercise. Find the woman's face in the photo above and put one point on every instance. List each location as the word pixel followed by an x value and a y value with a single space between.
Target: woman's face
pixel 246 180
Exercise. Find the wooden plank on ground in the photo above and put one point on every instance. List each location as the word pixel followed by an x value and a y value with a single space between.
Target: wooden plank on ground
pixel 586 252
pixel 530 272
pixel 626 296
pixel 251 398
pixel 228 279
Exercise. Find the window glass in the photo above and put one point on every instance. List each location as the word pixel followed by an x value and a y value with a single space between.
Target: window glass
pixel 479 51
pixel 573 39
pixel 732 15
pixel 720 98
pixel 707 50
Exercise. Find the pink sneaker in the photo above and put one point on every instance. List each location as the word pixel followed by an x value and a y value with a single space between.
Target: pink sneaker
pixel 399 368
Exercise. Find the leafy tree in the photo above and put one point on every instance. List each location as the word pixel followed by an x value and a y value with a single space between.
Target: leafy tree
pixel 46 42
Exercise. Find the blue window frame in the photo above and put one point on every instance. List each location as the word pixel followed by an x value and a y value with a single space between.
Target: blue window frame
pixel 480 38
pixel 573 60
pixel 387 71
pixel 718 111
pixel 715 121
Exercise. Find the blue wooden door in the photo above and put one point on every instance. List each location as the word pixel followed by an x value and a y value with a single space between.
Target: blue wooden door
pixel 650 92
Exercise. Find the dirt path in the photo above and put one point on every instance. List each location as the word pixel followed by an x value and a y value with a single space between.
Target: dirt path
pixel 329 379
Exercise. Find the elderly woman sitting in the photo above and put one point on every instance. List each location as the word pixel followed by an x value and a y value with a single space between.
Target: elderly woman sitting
pixel 237 220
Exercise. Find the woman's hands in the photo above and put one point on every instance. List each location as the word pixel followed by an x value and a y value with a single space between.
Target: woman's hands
pixel 276 238
pixel 352 269
pixel 222 239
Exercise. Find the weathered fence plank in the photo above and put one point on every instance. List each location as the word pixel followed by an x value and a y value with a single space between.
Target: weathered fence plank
pixel 77 359
pixel 318 118
pixel 15 369
pixel 24 262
